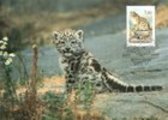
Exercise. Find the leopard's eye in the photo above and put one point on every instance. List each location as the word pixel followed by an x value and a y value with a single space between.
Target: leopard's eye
pixel 61 42
pixel 73 42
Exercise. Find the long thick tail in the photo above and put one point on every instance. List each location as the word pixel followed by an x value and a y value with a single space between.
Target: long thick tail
pixel 140 88
pixel 112 83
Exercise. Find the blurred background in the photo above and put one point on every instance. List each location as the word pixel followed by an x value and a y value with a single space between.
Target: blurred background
pixel 26 22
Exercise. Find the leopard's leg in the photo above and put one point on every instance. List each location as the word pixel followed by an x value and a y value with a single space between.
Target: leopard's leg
pixel 70 82
pixel 93 81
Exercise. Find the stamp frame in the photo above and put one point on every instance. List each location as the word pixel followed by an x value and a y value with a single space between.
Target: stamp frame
pixel 141 8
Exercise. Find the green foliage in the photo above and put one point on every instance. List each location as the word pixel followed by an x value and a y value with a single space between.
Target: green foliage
pixel 9 97
pixel 54 101
pixel 56 107
pixel 85 94
pixel 10 91
pixel 6 60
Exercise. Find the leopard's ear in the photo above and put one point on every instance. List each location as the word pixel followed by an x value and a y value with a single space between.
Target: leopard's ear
pixel 79 34
pixel 56 35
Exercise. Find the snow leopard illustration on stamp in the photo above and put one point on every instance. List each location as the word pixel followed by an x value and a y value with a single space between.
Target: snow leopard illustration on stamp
pixel 140 26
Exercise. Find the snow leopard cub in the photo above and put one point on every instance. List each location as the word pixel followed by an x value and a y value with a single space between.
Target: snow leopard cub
pixel 80 66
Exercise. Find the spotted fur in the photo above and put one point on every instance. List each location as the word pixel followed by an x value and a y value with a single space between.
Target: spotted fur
pixel 80 66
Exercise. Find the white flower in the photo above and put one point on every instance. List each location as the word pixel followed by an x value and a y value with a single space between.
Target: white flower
pixel 8 57
pixel 3 47
pixel 5 54
pixel 1 41
pixel 8 61
pixel 5 43
pixel 12 55
pixel 5 38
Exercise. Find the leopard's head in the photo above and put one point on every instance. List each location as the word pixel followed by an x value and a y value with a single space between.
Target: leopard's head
pixel 69 42
pixel 133 14
pixel 134 17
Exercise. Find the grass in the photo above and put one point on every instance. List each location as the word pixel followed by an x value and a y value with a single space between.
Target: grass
pixel 53 84
pixel 28 103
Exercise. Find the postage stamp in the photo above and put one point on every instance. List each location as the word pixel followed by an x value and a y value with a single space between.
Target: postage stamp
pixel 140 26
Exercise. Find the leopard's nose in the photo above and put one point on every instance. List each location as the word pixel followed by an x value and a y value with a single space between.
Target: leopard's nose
pixel 67 49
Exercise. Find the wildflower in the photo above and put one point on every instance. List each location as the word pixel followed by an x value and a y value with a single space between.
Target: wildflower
pixel 8 61
pixel 5 38
pixel 3 47
pixel 5 55
pixel 5 43
pixel 12 55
